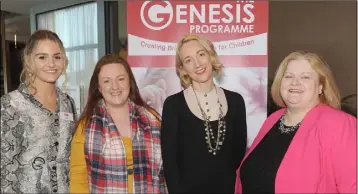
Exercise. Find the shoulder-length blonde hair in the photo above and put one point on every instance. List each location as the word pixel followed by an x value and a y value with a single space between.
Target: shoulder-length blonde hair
pixel 185 80
pixel 330 94
pixel 27 76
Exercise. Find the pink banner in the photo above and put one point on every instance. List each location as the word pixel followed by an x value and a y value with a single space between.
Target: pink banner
pixel 238 30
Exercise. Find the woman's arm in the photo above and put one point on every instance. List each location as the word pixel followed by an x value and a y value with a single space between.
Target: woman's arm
pixel 78 168
pixel 343 154
pixel 240 130
pixel 163 186
pixel 169 138
pixel 10 145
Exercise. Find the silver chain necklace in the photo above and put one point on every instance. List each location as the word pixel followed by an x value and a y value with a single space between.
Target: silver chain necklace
pixel 209 138
pixel 287 130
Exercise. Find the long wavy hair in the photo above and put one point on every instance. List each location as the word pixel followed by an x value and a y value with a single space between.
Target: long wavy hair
pixel 94 95
pixel 27 75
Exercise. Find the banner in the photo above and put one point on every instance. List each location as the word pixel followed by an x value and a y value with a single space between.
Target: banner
pixel 238 30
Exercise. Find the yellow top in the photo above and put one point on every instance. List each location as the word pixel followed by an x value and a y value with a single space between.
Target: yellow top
pixel 127 141
pixel 78 167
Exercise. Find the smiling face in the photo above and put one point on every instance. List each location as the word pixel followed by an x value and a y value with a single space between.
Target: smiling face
pixel 114 84
pixel 300 86
pixel 47 61
pixel 196 62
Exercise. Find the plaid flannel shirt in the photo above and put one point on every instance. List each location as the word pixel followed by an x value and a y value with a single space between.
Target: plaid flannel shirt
pixel 106 158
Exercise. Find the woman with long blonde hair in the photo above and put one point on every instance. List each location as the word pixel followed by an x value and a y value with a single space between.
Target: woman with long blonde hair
pixel 37 122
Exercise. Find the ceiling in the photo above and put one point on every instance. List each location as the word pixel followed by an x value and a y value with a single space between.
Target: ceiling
pixel 17 17
pixel 24 6
pixel 20 6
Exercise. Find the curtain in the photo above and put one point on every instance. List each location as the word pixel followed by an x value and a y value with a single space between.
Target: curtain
pixel 77 28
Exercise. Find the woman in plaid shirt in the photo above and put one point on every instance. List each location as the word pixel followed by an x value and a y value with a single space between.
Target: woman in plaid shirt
pixel 116 147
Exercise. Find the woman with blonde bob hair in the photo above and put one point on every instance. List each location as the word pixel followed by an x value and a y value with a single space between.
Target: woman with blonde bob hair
pixel 330 94
pixel 204 126
pixel 37 122
pixel 308 146
pixel 186 80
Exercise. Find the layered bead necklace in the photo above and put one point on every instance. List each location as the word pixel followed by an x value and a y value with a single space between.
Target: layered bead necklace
pixel 213 143
pixel 287 130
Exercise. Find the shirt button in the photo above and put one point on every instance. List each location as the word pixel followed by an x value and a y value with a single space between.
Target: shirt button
pixel 130 171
